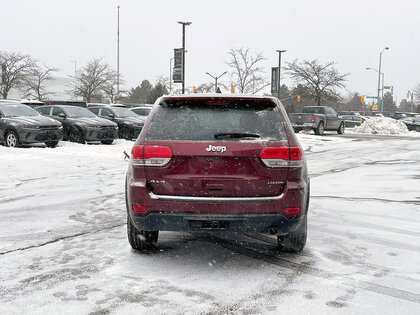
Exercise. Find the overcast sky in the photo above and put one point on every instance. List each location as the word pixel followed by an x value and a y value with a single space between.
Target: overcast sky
pixel 351 33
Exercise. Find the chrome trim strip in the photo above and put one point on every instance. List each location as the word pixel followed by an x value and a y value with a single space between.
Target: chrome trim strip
pixel 215 199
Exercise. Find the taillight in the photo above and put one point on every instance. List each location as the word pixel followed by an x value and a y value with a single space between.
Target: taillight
pixel 138 208
pixel 313 117
pixel 150 155
pixel 295 210
pixel 282 157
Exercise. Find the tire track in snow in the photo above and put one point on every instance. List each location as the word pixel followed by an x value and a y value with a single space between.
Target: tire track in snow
pixel 301 268
pixel 413 202
pixel 55 240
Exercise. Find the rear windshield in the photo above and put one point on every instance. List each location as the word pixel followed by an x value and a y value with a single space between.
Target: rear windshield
pixel 313 110
pixel 203 120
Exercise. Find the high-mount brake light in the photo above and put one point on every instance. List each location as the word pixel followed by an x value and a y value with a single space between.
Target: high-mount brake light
pixel 150 155
pixel 282 157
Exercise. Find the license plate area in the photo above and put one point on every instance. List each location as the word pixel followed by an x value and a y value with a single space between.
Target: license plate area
pixel 208 225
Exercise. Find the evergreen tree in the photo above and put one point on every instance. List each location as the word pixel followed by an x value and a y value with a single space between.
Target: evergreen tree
pixel 141 93
pixel 389 104
pixel 157 91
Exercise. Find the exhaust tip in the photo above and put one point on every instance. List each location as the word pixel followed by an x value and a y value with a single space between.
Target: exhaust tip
pixel 272 231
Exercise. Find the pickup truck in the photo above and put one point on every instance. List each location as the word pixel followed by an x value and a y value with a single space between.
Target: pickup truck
pixel 317 118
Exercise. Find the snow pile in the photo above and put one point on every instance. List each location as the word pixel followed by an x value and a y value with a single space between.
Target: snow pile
pixel 382 126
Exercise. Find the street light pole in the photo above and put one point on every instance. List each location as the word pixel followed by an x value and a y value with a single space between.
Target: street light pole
pixel 170 74
pixel 383 80
pixel 183 54
pixel 216 78
pixel 278 81
pixel 379 78
pixel 118 52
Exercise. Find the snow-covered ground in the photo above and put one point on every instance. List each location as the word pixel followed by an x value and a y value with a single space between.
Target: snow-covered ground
pixel 63 246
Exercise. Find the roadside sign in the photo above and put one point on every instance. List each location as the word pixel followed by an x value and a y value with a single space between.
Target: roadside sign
pixel 371 97
pixel 177 71
pixel 274 79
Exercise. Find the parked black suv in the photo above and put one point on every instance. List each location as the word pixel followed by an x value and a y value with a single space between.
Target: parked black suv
pixel 20 124
pixel 129 123
pixel 81 125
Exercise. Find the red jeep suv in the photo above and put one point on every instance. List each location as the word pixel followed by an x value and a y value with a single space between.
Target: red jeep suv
pixel 217 162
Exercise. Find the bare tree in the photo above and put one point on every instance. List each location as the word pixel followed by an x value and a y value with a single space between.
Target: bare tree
pixel 93 79
pixel 205 88
pixel 164 81
pixel 35 82
pixel 110 90
pixel 322 81
pixel 417 94
pixel 247 74
pixel 16 66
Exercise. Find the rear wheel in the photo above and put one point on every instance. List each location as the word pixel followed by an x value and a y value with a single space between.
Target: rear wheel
pixel 320 129
pixel 340 129
pixel 139 239
pixel 51 144
pixel 107 141
pixel 297 130
pixel 294 242
pixel 12 139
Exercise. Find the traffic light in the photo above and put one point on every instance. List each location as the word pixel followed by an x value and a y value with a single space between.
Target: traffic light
pixel 194 89
pixel 392 90
pixel 298 98
pixel 362 98
pixel 232 89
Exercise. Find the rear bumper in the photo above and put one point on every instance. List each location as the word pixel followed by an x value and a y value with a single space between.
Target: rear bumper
pixel 248 214
pixel 303 125
pixel 253 223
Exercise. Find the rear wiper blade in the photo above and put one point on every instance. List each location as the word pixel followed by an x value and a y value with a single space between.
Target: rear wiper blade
pixel 235 135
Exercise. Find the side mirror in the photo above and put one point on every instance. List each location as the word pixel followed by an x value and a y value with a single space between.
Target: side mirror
pixel 61 115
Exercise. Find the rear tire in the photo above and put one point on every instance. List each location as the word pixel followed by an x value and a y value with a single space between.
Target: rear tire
pixel 141 240
pixel 320 129
pixel 107 141
pixel 294 242
pixel 12 140
pixel 297 130
pixel 340 129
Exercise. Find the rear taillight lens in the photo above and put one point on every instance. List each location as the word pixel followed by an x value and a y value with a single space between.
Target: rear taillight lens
pixel 150 155
pixel 282 157
pixel 137 152
pixel 313 117
pixel 295 210
pixel 138 208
